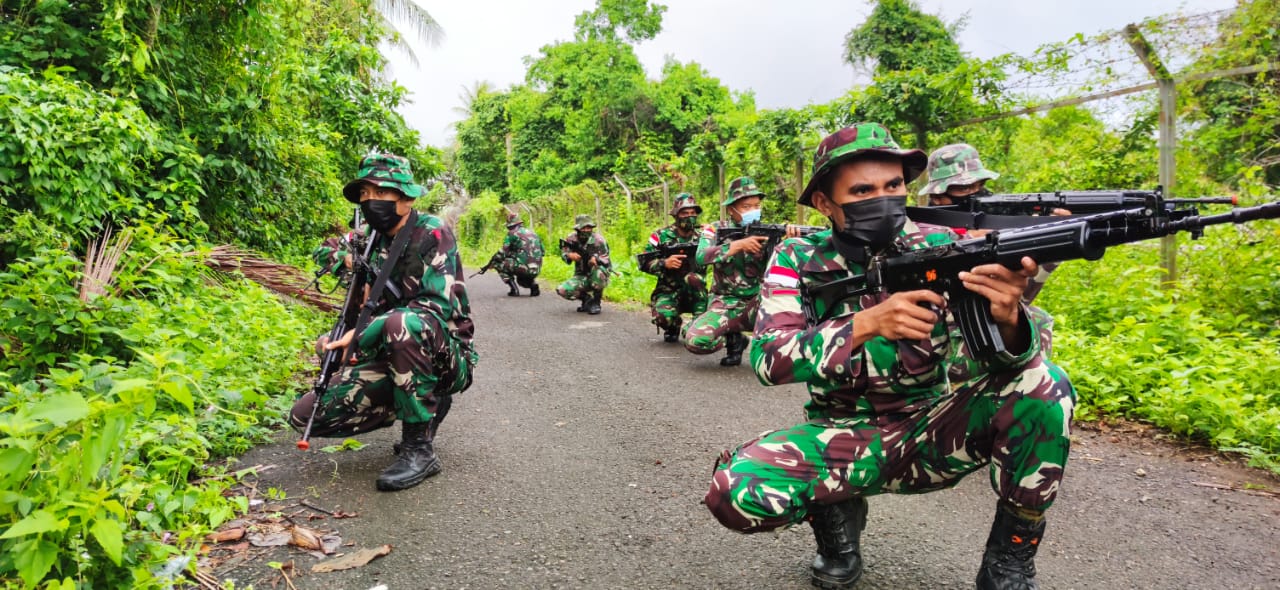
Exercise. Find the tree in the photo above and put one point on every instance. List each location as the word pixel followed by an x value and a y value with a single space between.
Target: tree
pixel 922 80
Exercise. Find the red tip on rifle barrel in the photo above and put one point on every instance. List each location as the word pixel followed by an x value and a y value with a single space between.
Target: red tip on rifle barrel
pixel 304 445
pixel 1235 200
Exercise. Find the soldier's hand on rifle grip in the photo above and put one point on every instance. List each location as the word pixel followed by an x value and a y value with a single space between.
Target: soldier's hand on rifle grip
pixel 903 316
pixel 1003 287
pixel 346 261
pixel 574 256
pixel 793 231
pixel 750 244
pixel 674 261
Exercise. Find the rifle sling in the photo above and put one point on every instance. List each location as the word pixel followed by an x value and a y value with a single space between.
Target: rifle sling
pixel 384 274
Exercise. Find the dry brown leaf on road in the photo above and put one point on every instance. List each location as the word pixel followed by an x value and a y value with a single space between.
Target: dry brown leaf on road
pixel 351 560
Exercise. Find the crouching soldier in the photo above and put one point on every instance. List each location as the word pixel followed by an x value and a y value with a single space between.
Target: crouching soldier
pixel 416 352
pixel 521 258
pixel 587 251
pixel 681 287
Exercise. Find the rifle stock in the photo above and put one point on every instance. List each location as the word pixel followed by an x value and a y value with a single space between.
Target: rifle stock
pixel 938 268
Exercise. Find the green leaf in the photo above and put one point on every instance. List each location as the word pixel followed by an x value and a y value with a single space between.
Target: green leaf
pixel 109 534
pixel 60 408
pixel 33 559
pixel 35 523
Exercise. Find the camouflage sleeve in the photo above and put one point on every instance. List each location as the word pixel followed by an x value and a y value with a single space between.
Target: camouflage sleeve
pixel 328 255
pixel 511 245
pixel 709 252
pixel 655 266
pixel 538 251
pixel 785 348
pixel 603 256
pixel 564 252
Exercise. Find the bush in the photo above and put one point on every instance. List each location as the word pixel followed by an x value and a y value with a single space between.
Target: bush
pixel 121 400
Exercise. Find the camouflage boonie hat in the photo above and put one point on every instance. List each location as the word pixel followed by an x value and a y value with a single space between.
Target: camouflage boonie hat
pixel 384 170
pixel 955 164
pixel 582 221
pixel 853 141
pixel 513 219
pixel 741 188
pixel 685 201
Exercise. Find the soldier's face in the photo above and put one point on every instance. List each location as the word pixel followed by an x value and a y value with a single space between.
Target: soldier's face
pixel 748 204
pixel 860 180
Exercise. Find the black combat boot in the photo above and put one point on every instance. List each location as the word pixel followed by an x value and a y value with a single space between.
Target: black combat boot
pixel 533 289
pixel 593 304
pixel 838 530
pixel 734 344
pixel 586 302
pixel 415 459
pixel 1009 561
pixel 515 291
pixel 671 333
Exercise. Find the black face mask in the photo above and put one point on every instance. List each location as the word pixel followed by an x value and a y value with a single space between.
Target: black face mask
pixel 584 237
pixel 873 223
pixel 381 215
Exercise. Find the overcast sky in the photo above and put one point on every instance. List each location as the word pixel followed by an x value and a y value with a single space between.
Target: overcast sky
pixel 787 51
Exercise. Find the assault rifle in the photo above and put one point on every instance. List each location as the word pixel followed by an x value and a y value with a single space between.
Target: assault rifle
pixel 1077 202
pixel 494 261
pixel 582 266
pixel 774 233
pixel 665 251
pixel 937 268
pixel 331 361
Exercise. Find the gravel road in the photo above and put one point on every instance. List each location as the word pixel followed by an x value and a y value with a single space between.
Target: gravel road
pixel 579 458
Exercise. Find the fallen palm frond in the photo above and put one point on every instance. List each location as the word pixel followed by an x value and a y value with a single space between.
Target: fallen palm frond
pixel 100 262
pixel 279 278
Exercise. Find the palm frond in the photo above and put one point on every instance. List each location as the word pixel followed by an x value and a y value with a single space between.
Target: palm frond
pixel 415 18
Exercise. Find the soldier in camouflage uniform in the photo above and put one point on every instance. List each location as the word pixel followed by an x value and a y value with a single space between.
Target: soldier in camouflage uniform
pixel 587 251
pixel 897 403
pixel 417 349
pixel 521 258
pixel 681 287
pixel 955 173
pixel 735 286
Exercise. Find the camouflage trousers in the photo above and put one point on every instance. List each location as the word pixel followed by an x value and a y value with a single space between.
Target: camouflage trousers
pixel 524 274
pixel 580 286
pixel 417 365
pixel 666 306
pixel 1018 421
pixel 725 314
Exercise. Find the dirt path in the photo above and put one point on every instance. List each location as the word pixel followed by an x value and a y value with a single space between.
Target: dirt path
pixel 580 457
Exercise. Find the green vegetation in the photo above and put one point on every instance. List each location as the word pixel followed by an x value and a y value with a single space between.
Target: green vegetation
pixel 587 126
pixel 174 126
pixel 180 125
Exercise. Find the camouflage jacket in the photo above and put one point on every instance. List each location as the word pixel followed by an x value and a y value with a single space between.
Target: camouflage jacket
pixel 669 282
pixel 523 246
pixel 881 376
pixel 596 246
pixel 735 276
pixel 429 277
